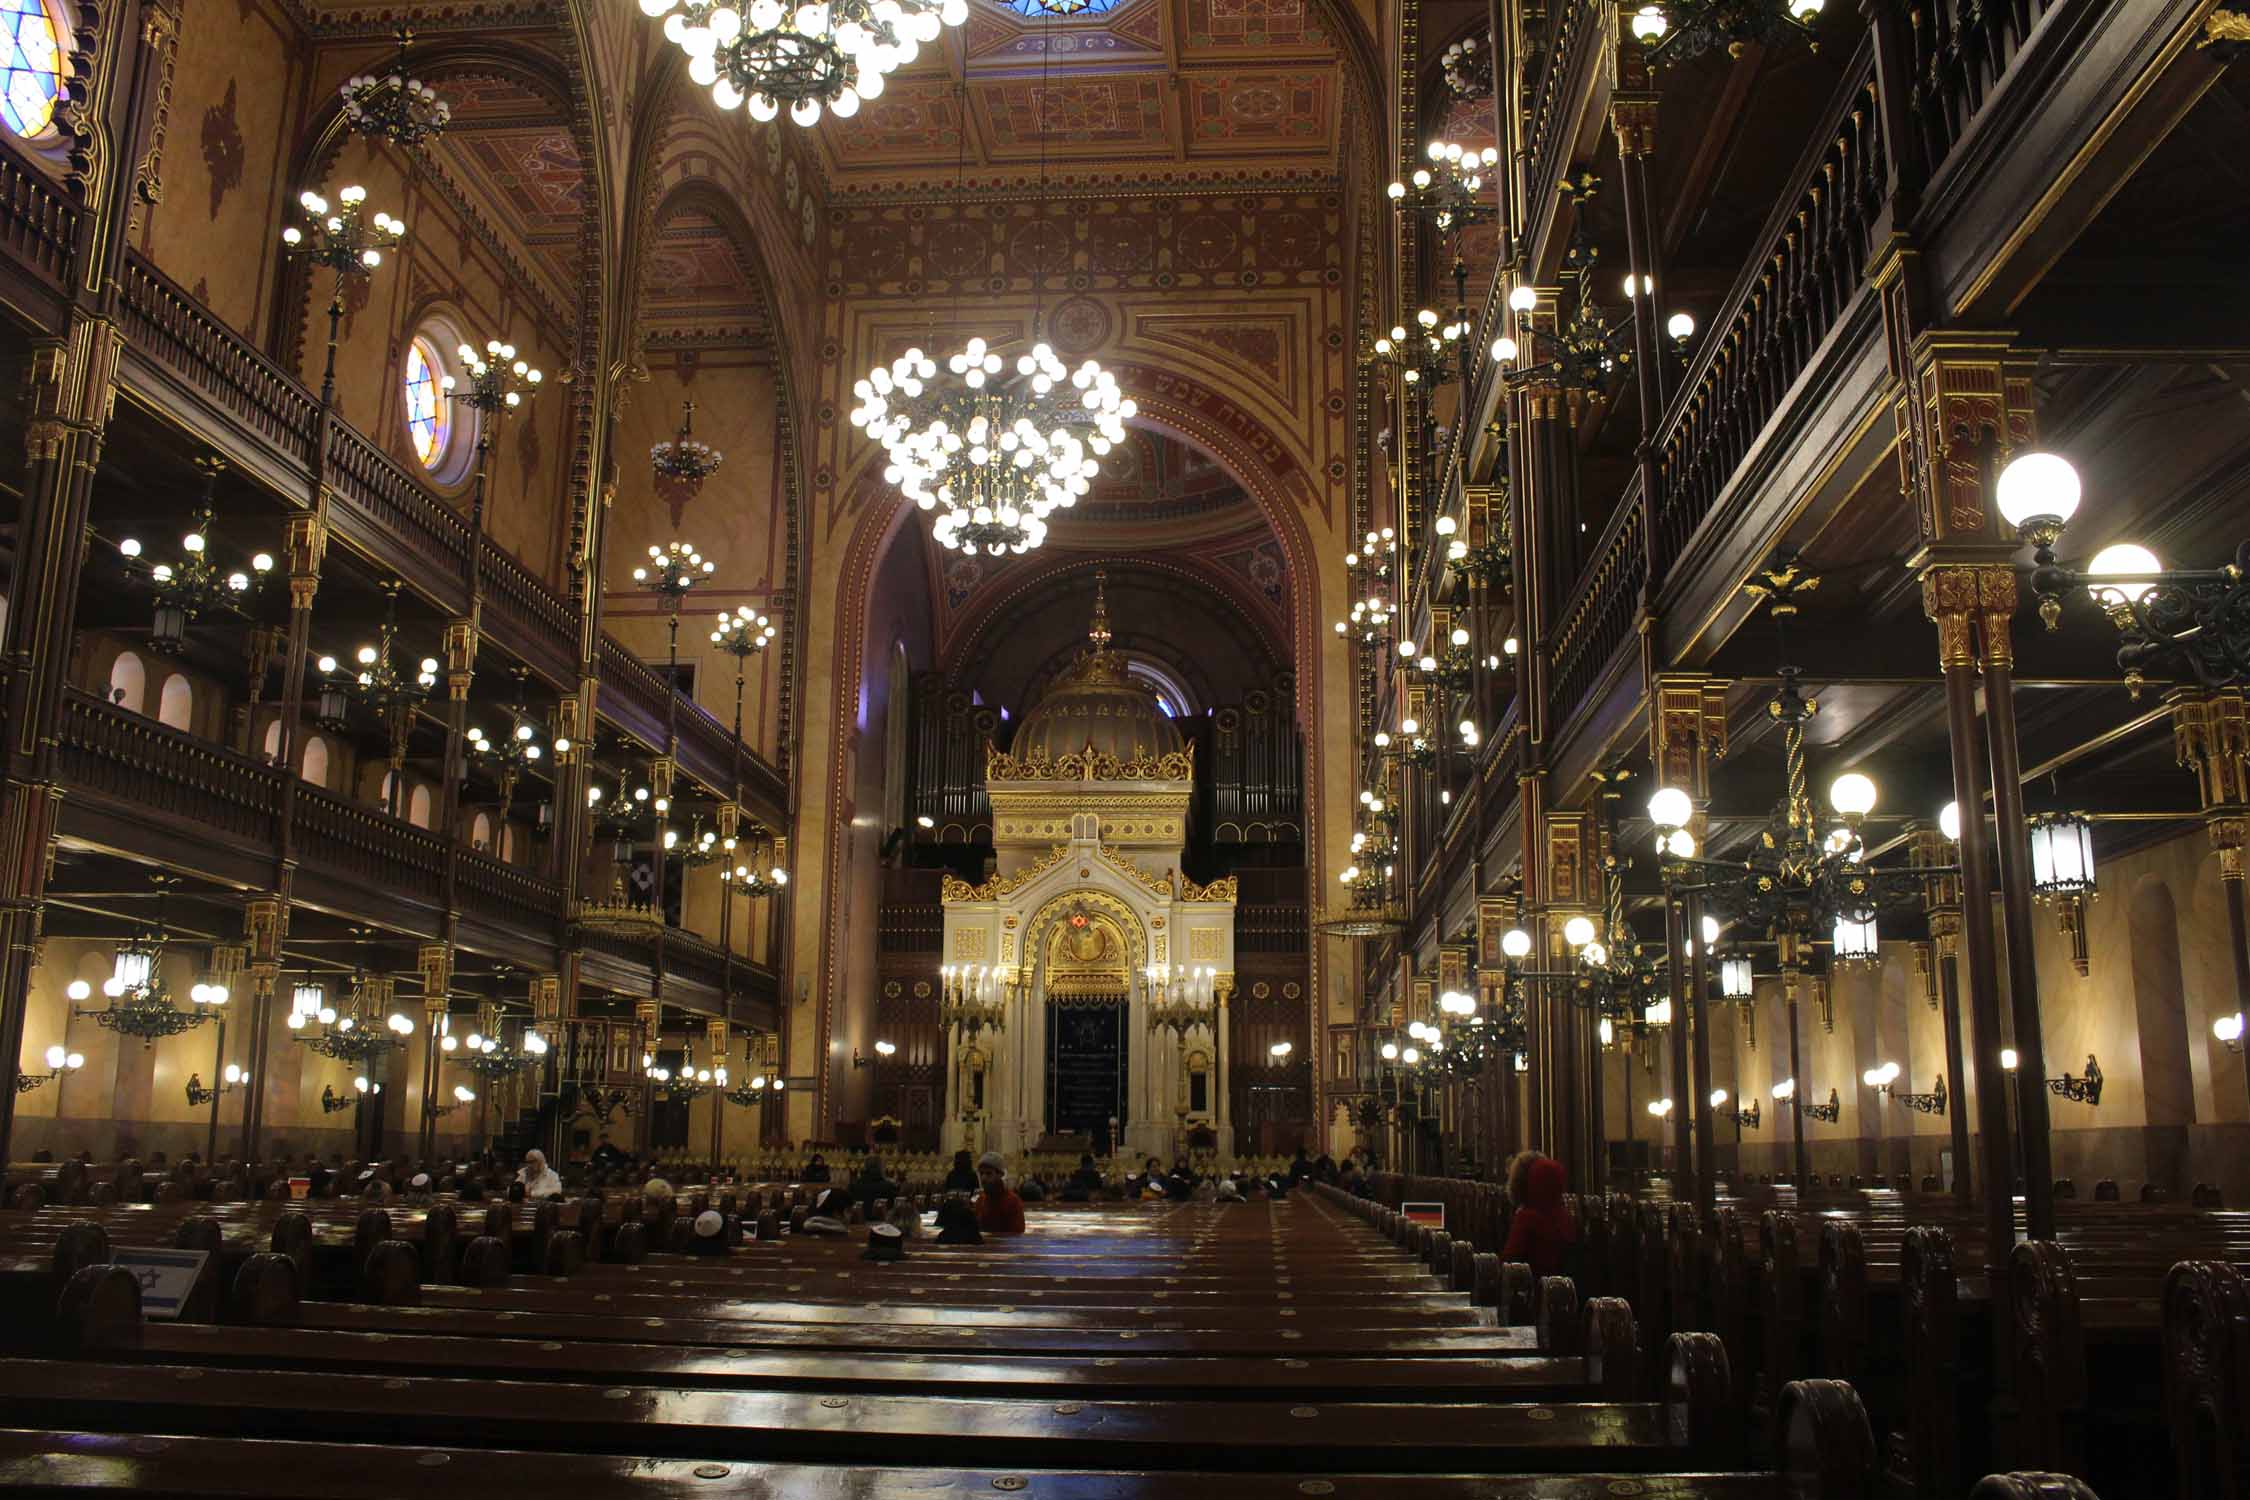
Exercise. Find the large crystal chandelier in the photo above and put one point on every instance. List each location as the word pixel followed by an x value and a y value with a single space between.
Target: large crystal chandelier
pixel 767 54
pixel 995 454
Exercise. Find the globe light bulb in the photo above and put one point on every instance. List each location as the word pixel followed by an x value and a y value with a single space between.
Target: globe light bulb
pixel 1852 794
pixel 2037 486
pixel 1669 808
pixel 1578 931
pixel 2123 558
pixel 1949 821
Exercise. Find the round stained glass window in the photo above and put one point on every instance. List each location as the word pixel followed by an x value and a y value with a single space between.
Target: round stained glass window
pixel 429 416
pixel 1041 10
pixel 32 62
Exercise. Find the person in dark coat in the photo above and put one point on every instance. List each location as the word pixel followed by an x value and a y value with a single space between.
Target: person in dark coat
pixel 1542 1231
pixel 963 1177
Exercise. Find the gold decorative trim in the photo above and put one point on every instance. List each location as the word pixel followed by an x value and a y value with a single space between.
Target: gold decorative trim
pixel 1222 889
pixel 1159 886
pixel 1091 765
pixel 953 889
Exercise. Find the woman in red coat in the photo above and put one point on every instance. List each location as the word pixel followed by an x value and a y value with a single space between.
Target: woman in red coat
pixel 1542 1231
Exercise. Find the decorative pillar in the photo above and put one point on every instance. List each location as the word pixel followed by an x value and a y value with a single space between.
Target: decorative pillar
pixel 1687 731
pixel 265 925
pixel 1950 598
pixel 1996 599
pixel 2211 737
pixel 435 961
pixel 1941 897
pixel 649 1014
pixel 719 1041
pixel 1632 119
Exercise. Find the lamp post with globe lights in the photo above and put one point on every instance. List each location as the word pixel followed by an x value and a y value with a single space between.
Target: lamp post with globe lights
pixel 345 243
pixel 1678 30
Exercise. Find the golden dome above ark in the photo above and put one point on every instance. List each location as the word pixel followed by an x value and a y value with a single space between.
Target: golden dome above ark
pixel 1099 719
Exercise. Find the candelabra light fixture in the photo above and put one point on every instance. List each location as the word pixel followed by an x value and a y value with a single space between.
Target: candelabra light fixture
pixel 486 1054
pixel 1883 1079
pixel 1677 30
pixel 884 1051
pixel 2198 619
pixel 395 106
pixel 974 997
pixel 2085 1090
pixel 462 1094
pixel 60 1060
pixel 498 380
pixel 1373 906
pixel 195 585
pixel 684 459
pixel 766 55
pixel 1371 569
pixel 1450 190
pixel 235 1077
pixel 346 240
pixel 515 752
pixel 689 1082
pixel 1180 999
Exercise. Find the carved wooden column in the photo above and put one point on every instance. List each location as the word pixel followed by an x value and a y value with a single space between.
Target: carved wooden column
pixel 1687 731
pixel 650 1016
pixel 2211 736
pixel 1941 898
pixel 1632 119
pixel 1996 599
pixel 265 927
pixel 435 961
pixel 719 1040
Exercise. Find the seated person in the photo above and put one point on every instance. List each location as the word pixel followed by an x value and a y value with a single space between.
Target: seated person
pixel 815 1170
pixel 871 1185
pixel 1034 1189
pixel 1085 1182
pixel 963 1177
pixel 999 1211
pixel 537 1178
pixel 606 1155
pixel 709 1237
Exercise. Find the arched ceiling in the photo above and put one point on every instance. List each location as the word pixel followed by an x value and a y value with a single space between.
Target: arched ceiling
pixel 1152 89
pixel 511 152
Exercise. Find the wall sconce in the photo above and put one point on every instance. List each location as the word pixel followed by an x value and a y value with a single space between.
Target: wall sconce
pixel 59 1062
pixel 198 1096
pixel 1829 1113
pixel 2227 1029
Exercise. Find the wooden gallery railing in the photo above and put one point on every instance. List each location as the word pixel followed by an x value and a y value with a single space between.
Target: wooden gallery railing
pixel 380 506
pixel 1812 257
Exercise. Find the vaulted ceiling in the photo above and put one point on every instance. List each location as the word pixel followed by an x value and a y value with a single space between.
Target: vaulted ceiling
pixel 1159 88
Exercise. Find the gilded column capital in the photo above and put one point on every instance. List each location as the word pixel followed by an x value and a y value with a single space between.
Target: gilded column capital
pixel 1950 598
pixel 1997 598
pixel 265 922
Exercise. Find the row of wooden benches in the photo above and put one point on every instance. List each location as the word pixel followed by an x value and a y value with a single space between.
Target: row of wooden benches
pixel 1114 1351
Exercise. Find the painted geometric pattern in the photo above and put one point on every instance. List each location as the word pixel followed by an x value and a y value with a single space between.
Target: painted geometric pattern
pixel 482 103
pixel 1271 240
pixel 918 117
pixel 536 173
pixel 1287 108
pixel 31 61
pixel 1089 112
pixel 1252 23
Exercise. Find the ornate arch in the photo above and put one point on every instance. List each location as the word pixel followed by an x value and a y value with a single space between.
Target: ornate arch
pixel 1040 929
pixel 1241 444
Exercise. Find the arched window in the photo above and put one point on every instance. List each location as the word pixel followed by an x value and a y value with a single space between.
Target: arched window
pixel 418 807
pixel 508 842
pixel 31 60
pixel 175 707
pixel 480 833
pixel 128 682
pixel 316 761
pixel 273 739
pixel 429 416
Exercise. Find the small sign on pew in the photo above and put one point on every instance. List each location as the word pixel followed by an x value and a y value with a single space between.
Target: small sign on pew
pixel 1431 1215
pixel 167 1277
pixel 300 1188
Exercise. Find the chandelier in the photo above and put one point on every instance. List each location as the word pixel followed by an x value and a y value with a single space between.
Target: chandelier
pixel 690 1082
pixel 331 1101
pixel 1450 190
pixel 346 243
pixel 360 1034
pixel 1677 30
pixel 139 1004
pixel 1373 907
pixel 683 458
pixel 759 869
pixel 395 106
pixel 762 1079
pixel 996 453
pixel 390 691
pixel 195 585
pixel 487 1055
pixel 1370 570
pixel 973 997
pixel 516 752
pixel 1467 65
pixel 766 54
